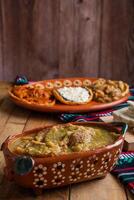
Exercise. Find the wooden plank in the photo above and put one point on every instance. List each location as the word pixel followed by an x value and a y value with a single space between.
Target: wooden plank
pixel 66 39
pixel 41 119
pixel 6 108
pixel 130 46
pixel 12 120
pixel 36 51
pixel 115 33
pixel 19 115
pixel 39 45
pixel 13 192
pixel 10 129
pixel 11 23
pixel 60 193
pixel 26 18
pixel 98 189
pixel 2 165
pixel 130 196
pixel 87 37
pixel 4 87
pixel 1 46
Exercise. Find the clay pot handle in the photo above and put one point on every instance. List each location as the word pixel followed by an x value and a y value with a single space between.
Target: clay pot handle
pixel 123 126
pixel 23 165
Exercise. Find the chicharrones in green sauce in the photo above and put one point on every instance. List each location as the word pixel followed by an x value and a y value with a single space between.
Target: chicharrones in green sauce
pixel 63 140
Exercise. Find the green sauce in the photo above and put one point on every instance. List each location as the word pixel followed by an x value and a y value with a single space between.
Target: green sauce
pixel 64 139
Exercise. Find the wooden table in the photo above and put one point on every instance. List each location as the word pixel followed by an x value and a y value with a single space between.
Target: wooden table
pixel 14 119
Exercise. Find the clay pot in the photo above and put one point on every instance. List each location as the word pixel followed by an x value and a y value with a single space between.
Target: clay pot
pixel 48 172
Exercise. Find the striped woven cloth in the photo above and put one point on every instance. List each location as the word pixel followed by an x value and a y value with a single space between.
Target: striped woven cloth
pixel 124 170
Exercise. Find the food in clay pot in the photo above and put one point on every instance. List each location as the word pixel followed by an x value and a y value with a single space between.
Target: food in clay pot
pixel 59 155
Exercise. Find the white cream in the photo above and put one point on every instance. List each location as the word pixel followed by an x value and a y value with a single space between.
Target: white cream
pixel 74 94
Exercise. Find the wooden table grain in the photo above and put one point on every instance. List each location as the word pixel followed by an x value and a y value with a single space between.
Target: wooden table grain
pixel 14 119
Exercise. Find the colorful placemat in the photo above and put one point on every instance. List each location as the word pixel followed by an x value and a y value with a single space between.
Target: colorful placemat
pixel 124 170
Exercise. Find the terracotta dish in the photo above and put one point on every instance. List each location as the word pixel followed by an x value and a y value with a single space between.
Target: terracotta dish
pixel 60 107
pixel 40 173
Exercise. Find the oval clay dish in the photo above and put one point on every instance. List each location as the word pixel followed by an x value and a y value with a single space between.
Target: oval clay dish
pixel 48 172
pixel 59 107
